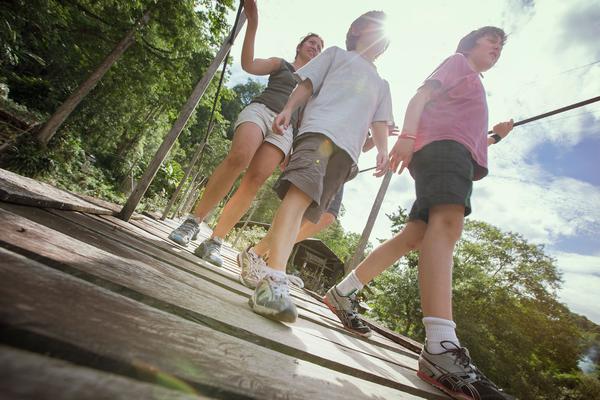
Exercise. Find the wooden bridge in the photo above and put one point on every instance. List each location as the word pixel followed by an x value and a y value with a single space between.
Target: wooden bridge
pixel 92 307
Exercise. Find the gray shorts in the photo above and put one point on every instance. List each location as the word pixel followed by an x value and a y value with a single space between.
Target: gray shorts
pixel 317 167
pixel 263 116
pixel 443 173
pixel 336 204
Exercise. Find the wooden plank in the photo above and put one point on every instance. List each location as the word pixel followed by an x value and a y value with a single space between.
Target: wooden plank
pixel 118 329
pixel 199 268
pixel 161 230
pixel 115 208
pixel 25 375
pixel 156 280
pixel 18 189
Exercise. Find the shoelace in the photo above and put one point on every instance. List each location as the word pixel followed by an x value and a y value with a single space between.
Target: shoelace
pixel 463 358
pixel 256 263
pixel 279 286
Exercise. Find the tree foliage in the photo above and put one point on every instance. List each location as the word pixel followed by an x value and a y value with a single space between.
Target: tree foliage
pixel 48 47
pixel 506 309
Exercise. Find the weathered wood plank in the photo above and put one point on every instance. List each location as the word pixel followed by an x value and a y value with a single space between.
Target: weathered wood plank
pixel 158 281
pixel 115 208
pixel 29 376
pixel 56 306
pixel 158 240
pixel 18 189
pixel 207 271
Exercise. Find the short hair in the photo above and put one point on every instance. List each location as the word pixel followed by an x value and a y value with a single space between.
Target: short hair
pixel 469 41
pixel 371 16
pixel 305 38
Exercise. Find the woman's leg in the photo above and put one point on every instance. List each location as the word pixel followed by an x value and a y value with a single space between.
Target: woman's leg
pixel 264 162
pixel 247 139
pixel 435 260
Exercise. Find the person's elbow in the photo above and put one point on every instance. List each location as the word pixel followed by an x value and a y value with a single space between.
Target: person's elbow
pixel 248 66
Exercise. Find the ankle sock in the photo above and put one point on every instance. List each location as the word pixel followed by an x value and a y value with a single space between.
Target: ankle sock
pixel 438 330
pixel 273 272
pixel 349 285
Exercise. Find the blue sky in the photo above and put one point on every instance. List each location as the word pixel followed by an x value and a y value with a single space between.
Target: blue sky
pixel 544 180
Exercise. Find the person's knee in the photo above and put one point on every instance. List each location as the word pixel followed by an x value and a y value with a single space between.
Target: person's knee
pixel 255 177
pixel 327 219
pixel 237 160
pixel 449 224
pixel 412 236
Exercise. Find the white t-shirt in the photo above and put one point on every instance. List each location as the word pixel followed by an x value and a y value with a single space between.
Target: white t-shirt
pixel 348 96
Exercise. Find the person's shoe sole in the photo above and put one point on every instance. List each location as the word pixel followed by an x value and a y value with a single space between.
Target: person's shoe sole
pixel 282 316
pixel 455 395
pixel 332 309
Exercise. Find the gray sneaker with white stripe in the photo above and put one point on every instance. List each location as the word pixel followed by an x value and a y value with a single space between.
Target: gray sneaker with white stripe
pixel 272 299
pixel 452 372
pixel 253 266
pixel 341 306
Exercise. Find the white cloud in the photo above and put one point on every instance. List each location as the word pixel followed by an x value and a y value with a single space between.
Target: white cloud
pixel 535 74
pixel 581 286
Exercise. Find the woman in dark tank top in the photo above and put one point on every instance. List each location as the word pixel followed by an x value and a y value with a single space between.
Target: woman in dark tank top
pixel 250 147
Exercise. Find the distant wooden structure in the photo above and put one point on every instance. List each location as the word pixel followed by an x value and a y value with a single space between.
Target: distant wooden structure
pixel 93 307
pixel 316 264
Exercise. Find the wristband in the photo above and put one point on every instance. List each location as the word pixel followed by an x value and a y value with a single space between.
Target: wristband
pixel 407 136
pixel 496 138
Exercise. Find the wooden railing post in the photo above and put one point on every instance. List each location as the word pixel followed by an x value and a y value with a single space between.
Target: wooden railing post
pixel 184 116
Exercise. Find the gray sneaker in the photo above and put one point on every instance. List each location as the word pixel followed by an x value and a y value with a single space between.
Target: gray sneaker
pixel 271 299
pixel 251 266
pixel 185 232
pixel 452 372
pixel 252 269
pixel 341 306
pixel 210 250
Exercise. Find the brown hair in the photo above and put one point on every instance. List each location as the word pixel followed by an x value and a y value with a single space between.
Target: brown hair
pixel 371 16
pixel 470 40
pixel 305 38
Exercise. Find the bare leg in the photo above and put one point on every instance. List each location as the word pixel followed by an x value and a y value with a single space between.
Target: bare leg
pixel 435 260
pixel 264 162
pixel 391 250
pixel 308 229
pixel 281 237
pixel 247 139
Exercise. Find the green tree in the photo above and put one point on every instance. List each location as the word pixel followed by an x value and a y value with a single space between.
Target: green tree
pixel 48 47
pixel 506 309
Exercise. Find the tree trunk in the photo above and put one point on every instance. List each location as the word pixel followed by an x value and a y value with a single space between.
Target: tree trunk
pixel 66 108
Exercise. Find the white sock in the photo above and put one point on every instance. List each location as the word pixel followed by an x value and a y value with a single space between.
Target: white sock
pixel 273 272
pixel 438 330
pixel 349 285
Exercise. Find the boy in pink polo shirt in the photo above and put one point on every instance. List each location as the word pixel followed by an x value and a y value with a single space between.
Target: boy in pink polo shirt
pixel 444 144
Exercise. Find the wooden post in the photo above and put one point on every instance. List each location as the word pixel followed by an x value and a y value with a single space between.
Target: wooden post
pixel 188 171
pixel 184 116
pixel 189 200
pixel 66 108
pixel 364 237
